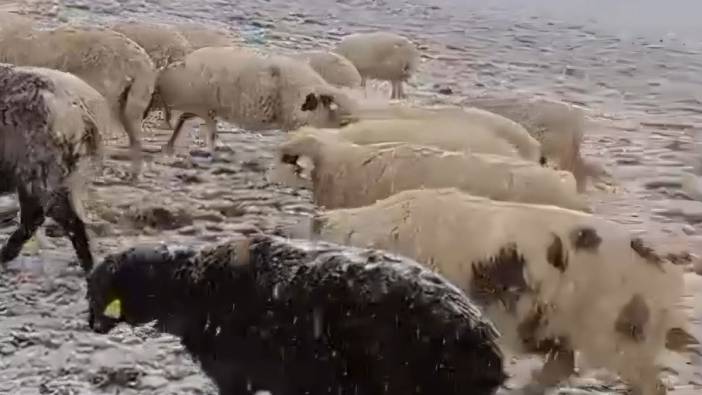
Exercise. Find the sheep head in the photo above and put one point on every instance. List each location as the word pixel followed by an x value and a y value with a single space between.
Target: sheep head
pixel 329 107
pixel 303 150
pixel 131 286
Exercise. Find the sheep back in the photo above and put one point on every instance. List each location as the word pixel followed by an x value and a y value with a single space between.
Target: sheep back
pixel 349 175
pixel 199 36
pixel 380 55
pixel 12 23
pixel 503 127
pixel 558 126
pixel 96 104
pixel 254 91
pixel 164 43
pixel 45 126
pixel 110 62
pixel 444 134
pixel 334 68
pixel 555 273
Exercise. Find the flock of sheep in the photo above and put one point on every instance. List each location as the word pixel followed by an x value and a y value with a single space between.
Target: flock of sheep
pixel 446 236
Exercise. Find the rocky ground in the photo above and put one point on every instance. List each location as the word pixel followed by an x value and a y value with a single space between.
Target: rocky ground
pixel 646 141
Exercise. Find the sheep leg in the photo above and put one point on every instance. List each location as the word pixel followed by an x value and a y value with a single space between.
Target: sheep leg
pixel 400 90
pixel 211 126
pixel 62 211
pixel 559 364
pixel 393 93
pixel 167 116
pixel 31 218
pixel 645 381
pixel 169 147
pixel 363 85
pixel 135 150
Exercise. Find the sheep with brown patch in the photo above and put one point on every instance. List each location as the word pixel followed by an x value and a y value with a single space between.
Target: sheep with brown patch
pixel 381 55
pixel 334 68
pixel 344 174
pixel 45 133
pixel 253 91
pixel 294 317
pixel 553 280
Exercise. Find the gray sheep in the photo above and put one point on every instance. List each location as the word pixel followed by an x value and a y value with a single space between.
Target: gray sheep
pixel 45 133
pixel 254 92
pixel 114 65
pixel 383 56
pixel 349 175
pixel 95 103
pixel 553 280
pixel 334 68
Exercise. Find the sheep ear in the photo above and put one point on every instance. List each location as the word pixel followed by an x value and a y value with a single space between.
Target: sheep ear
pixel 310 103
pixel 113 309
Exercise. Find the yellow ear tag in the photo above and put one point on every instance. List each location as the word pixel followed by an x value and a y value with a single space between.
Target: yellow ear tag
pixel 113 310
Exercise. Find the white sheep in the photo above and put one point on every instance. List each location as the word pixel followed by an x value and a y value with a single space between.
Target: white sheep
pixel 349 175
pixel 110 62
pixel 45 133
pixel 334 68
pixel 553 280
pixel 164 44
pixel 200 36
pixel 459 118
pixel 11 22
pixel 446 134
pixel 250 90
pixel 383 56
pixel 558 126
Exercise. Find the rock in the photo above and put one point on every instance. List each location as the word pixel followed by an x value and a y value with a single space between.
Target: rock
pixel 687 210
pixel 689 230
pixel 158 217
pixel 153 382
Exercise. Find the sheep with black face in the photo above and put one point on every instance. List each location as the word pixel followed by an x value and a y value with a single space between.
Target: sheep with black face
pixel 294 317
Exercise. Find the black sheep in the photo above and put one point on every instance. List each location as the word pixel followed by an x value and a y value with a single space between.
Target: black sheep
pixel 296 317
